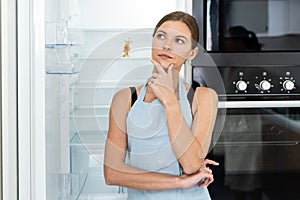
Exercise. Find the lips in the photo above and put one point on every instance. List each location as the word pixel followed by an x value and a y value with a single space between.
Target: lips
pixel 165 56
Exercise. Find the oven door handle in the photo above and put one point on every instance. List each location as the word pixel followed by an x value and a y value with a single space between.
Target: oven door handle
pixel 258 104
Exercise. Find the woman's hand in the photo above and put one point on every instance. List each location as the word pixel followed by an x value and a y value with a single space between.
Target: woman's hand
pixel 162 83
pixel 204 175
pixel 206 169
pixel 210 162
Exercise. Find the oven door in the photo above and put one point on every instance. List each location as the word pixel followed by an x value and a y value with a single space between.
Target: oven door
pixel 249 25
pixel 258 151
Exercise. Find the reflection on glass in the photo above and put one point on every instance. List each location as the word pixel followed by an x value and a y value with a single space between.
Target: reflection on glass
pixel 261 149
pixel 274 22
pixel 243 158
pixel 238 38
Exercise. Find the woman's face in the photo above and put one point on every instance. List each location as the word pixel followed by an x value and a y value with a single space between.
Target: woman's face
pixel 172 44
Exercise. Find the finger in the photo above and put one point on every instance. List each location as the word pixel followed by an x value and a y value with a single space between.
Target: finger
pixel 150 81
pixel 201 184
pixel 204 183
pixel 170 70
pixel 154 81
pixel 206 170
pixel 151 85
pixel 155 75
pixel 158 66
pixel 211 162
pixel 203 174
pixel 210 179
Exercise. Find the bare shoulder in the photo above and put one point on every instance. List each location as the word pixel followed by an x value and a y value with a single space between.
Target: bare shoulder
pixel 205 94
pixel 205 91
pixel 122 98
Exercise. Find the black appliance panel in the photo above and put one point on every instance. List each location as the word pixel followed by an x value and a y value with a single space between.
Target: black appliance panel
pixel 254 82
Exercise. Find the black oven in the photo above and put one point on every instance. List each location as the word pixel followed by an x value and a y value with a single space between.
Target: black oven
pixel 250 54
pixel 257 134
pixel 258 151
pixel 248 25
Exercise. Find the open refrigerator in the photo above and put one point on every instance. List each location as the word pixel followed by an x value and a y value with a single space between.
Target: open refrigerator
pixel 85 65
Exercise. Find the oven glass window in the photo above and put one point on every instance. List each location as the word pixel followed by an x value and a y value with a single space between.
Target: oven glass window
pixel 252 25
pixel 258 150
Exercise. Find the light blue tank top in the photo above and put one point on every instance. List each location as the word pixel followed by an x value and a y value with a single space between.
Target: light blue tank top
pixel 149 146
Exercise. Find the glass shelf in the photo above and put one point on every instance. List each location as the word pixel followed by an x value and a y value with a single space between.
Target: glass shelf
pixel 60 73
pixel 106 84
pixel 105 196
pixel 52 46
pixel 87 156
pixel 113 30
pixel 58 59
pixel 111 58
pixel 95 110
pixel 88 138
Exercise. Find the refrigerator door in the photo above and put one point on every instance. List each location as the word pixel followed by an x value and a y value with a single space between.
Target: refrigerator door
pixel 31 100
pixel 54 106
pixel 8 99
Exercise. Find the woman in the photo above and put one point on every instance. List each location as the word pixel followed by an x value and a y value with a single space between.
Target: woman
pixel 165 138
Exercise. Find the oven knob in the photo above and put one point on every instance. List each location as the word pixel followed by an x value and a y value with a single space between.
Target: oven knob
pixel 288 85
pixel 264 85
pixel 241 85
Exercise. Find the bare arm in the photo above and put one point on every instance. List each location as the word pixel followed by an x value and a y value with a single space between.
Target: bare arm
pixel 117 172
pixel 190 145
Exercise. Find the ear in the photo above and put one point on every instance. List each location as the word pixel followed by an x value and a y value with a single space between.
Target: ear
pixel 193 53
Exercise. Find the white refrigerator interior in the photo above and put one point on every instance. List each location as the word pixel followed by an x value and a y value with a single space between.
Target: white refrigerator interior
pixel 85 65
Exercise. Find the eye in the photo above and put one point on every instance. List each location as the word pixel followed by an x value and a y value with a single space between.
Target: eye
pixel 160 36
pixel 180 41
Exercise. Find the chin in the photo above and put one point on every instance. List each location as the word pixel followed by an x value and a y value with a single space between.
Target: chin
pixel 165 63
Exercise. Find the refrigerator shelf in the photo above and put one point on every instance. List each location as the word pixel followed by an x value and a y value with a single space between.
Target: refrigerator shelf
pixel 88 138
pixel 104 196
pixel 89 110
pixel 62 45
pixel 110 58
pixel 61 73
pixel 101 30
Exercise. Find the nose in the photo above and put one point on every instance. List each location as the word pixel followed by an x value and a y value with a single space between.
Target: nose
pixel 167 45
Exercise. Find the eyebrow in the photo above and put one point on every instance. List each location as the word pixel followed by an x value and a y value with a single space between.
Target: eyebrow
pixel 161 31
pixel 180 36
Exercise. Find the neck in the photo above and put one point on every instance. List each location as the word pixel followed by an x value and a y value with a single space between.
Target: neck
pixel 176 81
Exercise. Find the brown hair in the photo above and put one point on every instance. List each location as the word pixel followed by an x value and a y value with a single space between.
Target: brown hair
pixel 186 18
